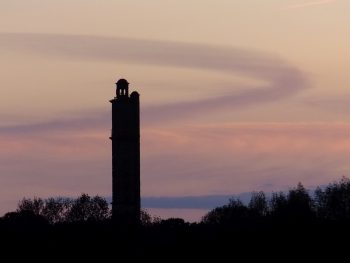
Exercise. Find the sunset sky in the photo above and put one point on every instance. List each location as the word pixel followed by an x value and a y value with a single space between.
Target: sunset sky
pixel 236 95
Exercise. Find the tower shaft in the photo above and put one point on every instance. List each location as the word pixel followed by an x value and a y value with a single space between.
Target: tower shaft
pixel 125 156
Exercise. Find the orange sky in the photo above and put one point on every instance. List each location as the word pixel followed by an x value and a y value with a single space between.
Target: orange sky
pixel 236 95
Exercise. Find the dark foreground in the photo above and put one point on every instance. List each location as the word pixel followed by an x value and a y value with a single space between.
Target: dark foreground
pixel 177 240
pixel 293 226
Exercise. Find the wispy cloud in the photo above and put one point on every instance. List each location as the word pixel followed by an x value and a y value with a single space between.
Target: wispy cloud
pixel 281 79
pixel 212 159
pixel 65 155
pixel 66 159
pixel 195 202
pixel 310 3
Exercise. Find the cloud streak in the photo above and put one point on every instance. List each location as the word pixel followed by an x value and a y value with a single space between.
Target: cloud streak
pixel 280 78
pixel 66 155
pixel 84 122
pixel 308 4
pixel 220 159
pixel 194 202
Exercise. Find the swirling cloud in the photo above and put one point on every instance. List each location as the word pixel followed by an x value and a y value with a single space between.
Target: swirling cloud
pixel 280 78
pixel 63 156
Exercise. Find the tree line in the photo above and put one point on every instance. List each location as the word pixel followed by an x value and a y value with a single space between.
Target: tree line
pixel 331 202
pixel 296 220
pixel 56 210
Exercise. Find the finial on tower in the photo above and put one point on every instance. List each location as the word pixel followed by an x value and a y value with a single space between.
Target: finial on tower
pixel 122 88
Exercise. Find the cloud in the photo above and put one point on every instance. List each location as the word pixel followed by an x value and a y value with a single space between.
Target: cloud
pixel 191 160
pixel 189 202
pixel 329 103
pixel 66 156
pixel 308 4
pixel 245 156
pixel 84 122
pixel 192 202
pixel 280 79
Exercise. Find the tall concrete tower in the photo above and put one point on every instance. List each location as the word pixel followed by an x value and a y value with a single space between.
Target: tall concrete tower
pixel 125 155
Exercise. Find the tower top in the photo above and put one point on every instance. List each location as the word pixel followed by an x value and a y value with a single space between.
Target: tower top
pixel 122 88
pixel 122 82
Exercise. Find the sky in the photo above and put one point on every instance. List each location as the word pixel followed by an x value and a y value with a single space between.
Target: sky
pixel 236 96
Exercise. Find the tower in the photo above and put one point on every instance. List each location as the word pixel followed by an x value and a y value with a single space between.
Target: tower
pixel 125 155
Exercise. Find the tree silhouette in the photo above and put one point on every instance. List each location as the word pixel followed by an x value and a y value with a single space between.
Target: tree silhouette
pixel 145 218
pixel 173 223
pixel 297 204
pixel 36 205
pixel 279 205
pixel 334 201
pixel 287 217
pixel 25 218
pixel 300 204
pixel 85 208
pixel 258 206
pixel 234 212
pixel 56 210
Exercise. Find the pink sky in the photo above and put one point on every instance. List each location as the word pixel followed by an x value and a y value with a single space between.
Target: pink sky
pixel 236 96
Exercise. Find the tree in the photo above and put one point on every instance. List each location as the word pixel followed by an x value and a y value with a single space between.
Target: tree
pixel 334 201
pixel 85 208
pixel 173 223
pixel 278 205
pixel 300 204
pixel 36 205
pixel 234 212
pixel 145 218
pixel 258 204
pixel 296 205
pixel 99 209
pixel 55 209
pixel 24 218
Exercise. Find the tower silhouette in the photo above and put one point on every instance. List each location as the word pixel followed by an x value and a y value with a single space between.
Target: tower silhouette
pixel 125 155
